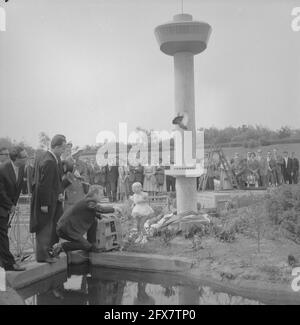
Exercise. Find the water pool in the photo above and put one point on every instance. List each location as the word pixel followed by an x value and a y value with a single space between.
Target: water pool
pixel 102 286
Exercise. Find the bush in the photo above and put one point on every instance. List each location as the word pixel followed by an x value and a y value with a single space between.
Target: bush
pixel 252 143
pixel 265 142
pixel 283 210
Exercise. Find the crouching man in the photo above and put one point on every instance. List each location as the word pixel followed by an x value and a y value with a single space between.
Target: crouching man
pixel 79 220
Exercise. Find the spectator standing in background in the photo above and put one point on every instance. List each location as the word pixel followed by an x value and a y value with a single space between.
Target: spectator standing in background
pixel 139 174
pixel 131 178
pixel 100 176
pixel 241 173
pixel 271 163
pixel 287 168
pixel 160 177
pixel 112 176
pixel 295 168
pixel 150 185
pixel 28 176
pixel 123 183
pixel 170 180
pixel 279 166
pixel 263 169
pixel 90 171
pixel 253 168
pixel 75 187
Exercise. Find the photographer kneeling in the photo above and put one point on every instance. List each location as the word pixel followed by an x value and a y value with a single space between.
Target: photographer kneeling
pixel 79 220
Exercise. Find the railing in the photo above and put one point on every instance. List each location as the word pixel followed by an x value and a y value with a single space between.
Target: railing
pixel 22 242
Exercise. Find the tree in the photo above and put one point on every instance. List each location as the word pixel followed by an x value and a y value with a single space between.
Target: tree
pixel 44 141
pixel 6 142
pixel 284 132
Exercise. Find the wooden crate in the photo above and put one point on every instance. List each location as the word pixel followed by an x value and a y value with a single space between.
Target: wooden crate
pixel 109 233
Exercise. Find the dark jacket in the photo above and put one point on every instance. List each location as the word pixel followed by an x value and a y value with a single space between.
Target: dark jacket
pixel 77 220
pixel 139 174
pixel 10 187
pixel 28 179
pixel 47 186
pixel 287 167
pixel 295 165
pixel 112 174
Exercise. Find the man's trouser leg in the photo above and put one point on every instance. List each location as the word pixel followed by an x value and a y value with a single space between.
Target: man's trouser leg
pixel 108 191
pixel 6 258
pixel 277 177
pixel 44 238
pixel 173 184
pixel 273 177
pixel 91 234
pixel 113 188
pixel 264 180
pixel 280 176
pixel 168 183
pixel 295 177
pixel 210 181
pixel 58 213
pixel 74 243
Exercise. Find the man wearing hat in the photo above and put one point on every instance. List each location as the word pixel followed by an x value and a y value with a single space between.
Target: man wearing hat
pixel 47 198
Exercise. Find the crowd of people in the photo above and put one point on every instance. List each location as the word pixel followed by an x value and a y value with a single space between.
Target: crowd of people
pixel 49 177
pixel 118 180
pixel 66 197
pixel 67 194
pixel 257 169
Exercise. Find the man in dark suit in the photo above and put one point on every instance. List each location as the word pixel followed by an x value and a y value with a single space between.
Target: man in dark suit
pixel 47 198
pixel 11 181
pixel 278 171
pixel 28 176
pixel 79 220
pixel 287 168
pixel 295 168
pixel 112 175
pixel 139 173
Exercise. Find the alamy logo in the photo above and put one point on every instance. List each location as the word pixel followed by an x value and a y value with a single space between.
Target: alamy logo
pixel 296 21
pixel 296 281
pixel 155 144
pixel 2 19
pixel 2 279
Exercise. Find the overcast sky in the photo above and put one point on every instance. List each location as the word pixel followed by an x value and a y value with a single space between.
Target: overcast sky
pixel 81 66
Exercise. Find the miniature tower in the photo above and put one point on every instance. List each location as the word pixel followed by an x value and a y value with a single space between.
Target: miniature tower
pixel 183 38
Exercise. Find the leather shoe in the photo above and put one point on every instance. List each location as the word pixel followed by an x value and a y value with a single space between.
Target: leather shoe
pixel 15 267
pixel 57 249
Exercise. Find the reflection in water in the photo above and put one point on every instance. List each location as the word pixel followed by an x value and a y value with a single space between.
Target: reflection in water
pixel 105 292
pixel 112 288
pixel 209 297
pixel 142 297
